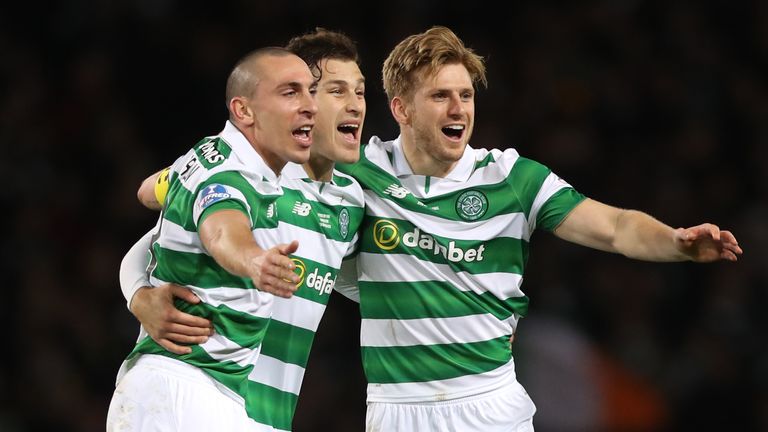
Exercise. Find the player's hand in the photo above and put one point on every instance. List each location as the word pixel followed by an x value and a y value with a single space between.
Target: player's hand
pixel 707 243
pixel 168 326
pixel 273 270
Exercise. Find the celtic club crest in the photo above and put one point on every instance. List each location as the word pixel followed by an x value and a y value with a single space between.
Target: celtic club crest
pixel 344 223
pixel 471 205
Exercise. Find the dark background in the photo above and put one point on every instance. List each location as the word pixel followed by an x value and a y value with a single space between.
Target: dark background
pixel 655 105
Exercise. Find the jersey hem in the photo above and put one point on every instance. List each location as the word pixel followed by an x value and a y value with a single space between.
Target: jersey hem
pixel 464 395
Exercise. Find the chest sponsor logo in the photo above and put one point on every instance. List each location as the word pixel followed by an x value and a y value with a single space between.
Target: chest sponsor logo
pixel 386 236
pixel 471 205
pixel 323 284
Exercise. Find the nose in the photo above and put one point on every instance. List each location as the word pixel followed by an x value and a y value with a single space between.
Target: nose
pixel 308 104
pixel 355 103
pixel 455 106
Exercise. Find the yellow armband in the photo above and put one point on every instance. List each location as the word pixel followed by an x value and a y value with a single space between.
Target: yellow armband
pixel 161 185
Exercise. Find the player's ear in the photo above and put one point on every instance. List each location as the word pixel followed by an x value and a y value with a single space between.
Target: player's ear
pixel 240 110
pixel 400 110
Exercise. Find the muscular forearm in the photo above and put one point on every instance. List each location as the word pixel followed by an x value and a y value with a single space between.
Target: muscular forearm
pixel 236 257
pixel 227 236
pixel 234 250
pixel 640 236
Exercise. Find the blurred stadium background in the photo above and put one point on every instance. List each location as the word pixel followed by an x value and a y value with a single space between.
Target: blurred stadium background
pixel 661 106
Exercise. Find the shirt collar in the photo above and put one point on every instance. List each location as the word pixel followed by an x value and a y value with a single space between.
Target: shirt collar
pixel 245 151
pixel 459 173
pixel 294 171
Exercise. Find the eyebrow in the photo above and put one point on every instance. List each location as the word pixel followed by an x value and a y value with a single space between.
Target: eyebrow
pixel 296 85
pixel 448 90
pixel 344 83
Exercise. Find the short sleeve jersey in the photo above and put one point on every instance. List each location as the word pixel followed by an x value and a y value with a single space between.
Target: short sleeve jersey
pixel 440 268
pixel 220 172
pixel 324 217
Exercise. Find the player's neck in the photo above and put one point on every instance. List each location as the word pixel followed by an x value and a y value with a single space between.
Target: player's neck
pixel 423 163
pixel 319 168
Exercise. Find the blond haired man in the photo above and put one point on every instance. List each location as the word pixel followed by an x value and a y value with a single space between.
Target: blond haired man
pixel 444 244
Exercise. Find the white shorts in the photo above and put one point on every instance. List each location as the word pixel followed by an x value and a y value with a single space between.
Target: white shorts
pixel 506 410
pixel 162 394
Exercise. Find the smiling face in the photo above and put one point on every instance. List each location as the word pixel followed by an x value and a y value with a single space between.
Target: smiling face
pixel 436 120
pixel 340 100
pixel 284 108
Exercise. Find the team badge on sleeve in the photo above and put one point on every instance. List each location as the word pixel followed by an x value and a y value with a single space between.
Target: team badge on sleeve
pixel 212 194
pixel 216 192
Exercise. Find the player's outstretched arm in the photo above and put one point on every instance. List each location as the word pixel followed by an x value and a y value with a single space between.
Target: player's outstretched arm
pixel 637 235
pixel 226 234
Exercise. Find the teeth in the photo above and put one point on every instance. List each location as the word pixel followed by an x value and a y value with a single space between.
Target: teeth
pixel 353 126
pixel 455 127
pixel 305 128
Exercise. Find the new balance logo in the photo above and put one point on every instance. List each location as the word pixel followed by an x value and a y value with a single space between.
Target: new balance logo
pixel 301 209
pixel 396 191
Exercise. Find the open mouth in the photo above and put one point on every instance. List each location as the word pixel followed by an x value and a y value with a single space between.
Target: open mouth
pixel 303 134
pixel 349 131
pixel 453 132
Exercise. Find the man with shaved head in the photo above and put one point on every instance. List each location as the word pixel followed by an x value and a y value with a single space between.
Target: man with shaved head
pixel 215 237
pixel 319 205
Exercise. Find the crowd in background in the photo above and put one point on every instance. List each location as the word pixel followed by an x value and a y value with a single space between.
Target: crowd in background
pixel 660 106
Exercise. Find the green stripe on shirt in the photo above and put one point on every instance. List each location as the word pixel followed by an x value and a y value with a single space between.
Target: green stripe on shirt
pixel 434 362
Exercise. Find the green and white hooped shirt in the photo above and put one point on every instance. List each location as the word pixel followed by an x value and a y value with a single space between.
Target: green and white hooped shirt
pixel 220 172
pixel 324 217
pixel 440 268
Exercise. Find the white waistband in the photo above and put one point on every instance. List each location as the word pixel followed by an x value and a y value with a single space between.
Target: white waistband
pixel 176 367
